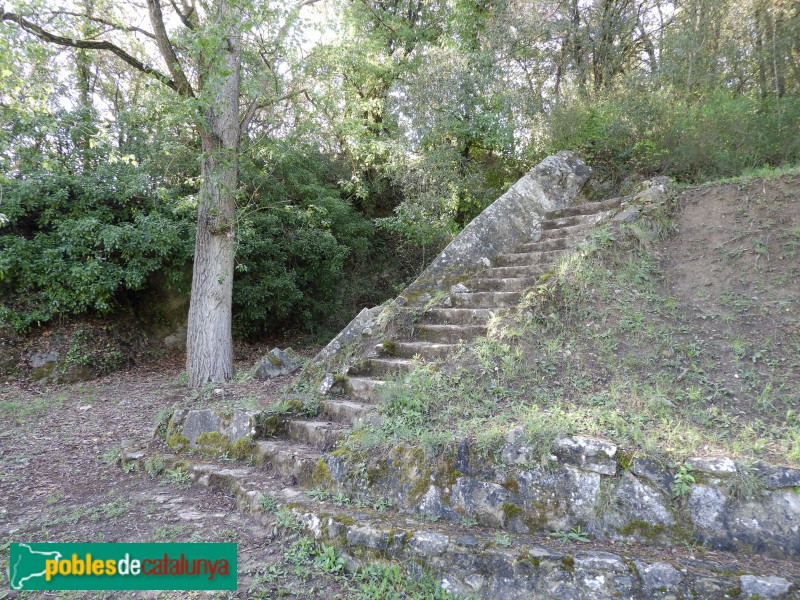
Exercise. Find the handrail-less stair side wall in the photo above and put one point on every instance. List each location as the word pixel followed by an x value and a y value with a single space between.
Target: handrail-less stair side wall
pixel 515 217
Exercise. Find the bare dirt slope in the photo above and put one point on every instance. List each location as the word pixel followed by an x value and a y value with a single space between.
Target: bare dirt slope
pixel 734 268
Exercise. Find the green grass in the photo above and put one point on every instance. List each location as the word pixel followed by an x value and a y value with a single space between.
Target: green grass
pixel 747 176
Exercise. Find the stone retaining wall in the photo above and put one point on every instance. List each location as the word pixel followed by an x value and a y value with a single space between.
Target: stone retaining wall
pixel 586 483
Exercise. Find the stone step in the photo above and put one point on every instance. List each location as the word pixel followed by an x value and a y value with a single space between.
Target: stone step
pixel 346 411
pixel 287 458
pixel 566 231
pixel 527 271
pixel 385 367
pixel 364 388
pixel 450 333
pixel 457 316
pixel 322 435
pixel 525 259
pixel 563 243
pixel 483 563
pixel 494 300
pixel 426 350
pixel 500 284
pixel 585 209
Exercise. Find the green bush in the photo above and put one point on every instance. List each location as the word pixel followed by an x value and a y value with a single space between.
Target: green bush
pixel 87 228
pixel 718 135
pixel 75 243
pixel 297 240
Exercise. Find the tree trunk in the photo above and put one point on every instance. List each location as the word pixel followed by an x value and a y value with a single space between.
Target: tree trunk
pixel 759 27
pixel 209 346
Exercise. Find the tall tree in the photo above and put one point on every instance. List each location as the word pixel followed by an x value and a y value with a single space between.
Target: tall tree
pixel 203 64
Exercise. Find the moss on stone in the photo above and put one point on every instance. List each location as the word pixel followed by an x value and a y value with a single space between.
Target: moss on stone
pixel 177 441
pixel 163 425
pixel 155 465
pixel 625 460
pixel 344 519
pixel 321 477
pixel 569 563
pixel 270 425
pixel 524 555
pixel 512 485
pixel 445 473
pixel 511 510
pixel 644 529
pixel 243 449
pixel 212 443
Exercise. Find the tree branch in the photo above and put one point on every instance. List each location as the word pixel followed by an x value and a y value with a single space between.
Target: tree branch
pixel 185 17
pixel 104 22
pixel 167 51
pixel 59 40
pixel 291 19
pixel 256 105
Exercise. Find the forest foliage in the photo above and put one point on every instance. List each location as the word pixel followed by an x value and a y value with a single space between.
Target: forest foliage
pixel 382 128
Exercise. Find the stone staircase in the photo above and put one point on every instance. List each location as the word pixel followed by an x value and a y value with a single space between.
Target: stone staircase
pixel 465 314
pixel 297 446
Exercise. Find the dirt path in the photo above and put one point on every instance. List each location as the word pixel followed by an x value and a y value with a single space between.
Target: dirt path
pixel 56 485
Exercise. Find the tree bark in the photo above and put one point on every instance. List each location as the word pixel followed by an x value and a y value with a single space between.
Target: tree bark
pixel 209 351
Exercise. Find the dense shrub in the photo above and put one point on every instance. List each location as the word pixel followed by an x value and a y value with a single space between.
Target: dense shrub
pixel 88 229
pixel 75 243
pixel 297 239
pixel 718 135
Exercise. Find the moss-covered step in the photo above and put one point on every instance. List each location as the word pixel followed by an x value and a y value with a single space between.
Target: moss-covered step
pixel 347 411
pixel 322 435
pixel 575 481
pixel 381 368
pixel 485 299
pixel 537 260
pixel 552 229
pixel 450 334
pixel 500 284
pixel 426 350
pixel 363 388
pixel 559 243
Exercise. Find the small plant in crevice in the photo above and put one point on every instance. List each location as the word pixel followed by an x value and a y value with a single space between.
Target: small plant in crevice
pixel 502 539
pixel 285 521
pixel 267 503
pixel 179 476
pixel 318 495
pixel 155 466
pixel 111 456
pixel 745 484
pixel 329 559
pixel 466 521
pixel 576 534
pixel 683 481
